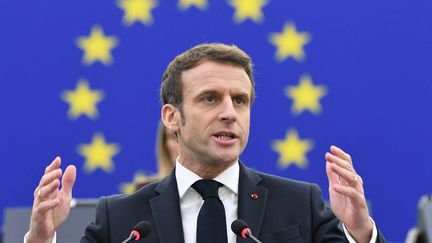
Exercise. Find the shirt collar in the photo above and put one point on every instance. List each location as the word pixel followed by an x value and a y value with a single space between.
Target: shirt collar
pixel 186 178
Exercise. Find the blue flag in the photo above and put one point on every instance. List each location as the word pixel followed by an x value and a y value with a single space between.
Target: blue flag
pixel 80 79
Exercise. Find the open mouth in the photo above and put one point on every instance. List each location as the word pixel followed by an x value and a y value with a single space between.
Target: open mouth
pixel 225 136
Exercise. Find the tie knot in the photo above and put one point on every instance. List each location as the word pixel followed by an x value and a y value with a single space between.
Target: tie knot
pixel 207 188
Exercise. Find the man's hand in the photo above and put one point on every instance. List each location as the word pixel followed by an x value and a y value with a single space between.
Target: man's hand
pixel 347 197
pixel 51 205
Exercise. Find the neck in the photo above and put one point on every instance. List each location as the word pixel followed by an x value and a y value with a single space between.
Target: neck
pixel 206 170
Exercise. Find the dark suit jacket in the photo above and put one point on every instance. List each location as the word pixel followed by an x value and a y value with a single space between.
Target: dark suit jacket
pixel 284 211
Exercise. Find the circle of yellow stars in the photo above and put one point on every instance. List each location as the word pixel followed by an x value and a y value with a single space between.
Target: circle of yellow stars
pixel 97 47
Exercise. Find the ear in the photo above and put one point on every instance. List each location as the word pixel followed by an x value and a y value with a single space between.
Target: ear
pixel 171 117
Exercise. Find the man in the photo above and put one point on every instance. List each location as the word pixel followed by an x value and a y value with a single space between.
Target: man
pixel 207 94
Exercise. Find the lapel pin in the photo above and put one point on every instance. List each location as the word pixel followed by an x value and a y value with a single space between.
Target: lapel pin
pixel 254 196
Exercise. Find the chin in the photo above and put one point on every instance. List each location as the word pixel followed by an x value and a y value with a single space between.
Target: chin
pixel 223 155
pixel 228 158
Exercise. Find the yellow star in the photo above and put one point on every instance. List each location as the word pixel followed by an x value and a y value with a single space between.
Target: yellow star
pixel 137 10
pixel 185 4
pixel 98 154
pixel 127 188
pixel 306 96
pixel 130 187
pixel 292 150
pixel 97 46
pixel 251 9
pixel 290 43
pixel 139 179
pixel 82 100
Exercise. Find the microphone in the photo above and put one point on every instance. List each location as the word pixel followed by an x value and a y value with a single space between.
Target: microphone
pixel 141 230
pixel 241 229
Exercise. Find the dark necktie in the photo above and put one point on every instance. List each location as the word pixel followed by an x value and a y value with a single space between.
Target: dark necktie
pixel 211 224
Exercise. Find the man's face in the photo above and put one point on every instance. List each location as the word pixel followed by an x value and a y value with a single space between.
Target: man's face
pixel 216 113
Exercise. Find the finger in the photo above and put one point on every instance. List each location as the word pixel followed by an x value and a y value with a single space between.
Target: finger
pixel 68 179
pixel 344 173
pixel 47 179
pixel 350 178
pixel 340 153
pixel 360 179
pixel 339 161
pixel 357 198
pixel 333 177
pixel 47 205
pixel 50 176
pixel 54 165
pixel 48 191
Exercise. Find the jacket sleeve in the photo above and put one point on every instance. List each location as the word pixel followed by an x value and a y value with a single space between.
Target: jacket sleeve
pixel 98 231
pixel 325 226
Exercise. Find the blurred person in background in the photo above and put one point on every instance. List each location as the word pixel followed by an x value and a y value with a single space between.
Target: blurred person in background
pixel 167 152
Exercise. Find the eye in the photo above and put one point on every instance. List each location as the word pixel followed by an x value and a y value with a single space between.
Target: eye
pixel 239 101
pixel 210 99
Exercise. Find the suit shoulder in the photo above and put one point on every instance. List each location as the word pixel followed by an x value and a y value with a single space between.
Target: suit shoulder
pixel 145 193
pixel 274 182
pixel 269 178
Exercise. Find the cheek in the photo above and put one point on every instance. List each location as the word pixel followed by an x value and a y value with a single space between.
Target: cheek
pixel 172 146
pixel 200 121
pixel 245 122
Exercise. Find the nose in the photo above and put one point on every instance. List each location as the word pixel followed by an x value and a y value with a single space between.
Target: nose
pixel 228 112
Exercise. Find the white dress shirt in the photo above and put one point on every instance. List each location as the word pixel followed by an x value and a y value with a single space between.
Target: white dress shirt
pixel 191 201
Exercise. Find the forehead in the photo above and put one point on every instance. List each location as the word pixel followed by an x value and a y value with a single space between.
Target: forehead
pixel 211 73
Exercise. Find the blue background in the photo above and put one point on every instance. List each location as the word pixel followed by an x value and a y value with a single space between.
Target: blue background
pixel 374 57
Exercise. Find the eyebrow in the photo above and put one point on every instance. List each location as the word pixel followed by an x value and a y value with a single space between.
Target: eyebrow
pixel 244 94
pixel 207 91
pixel 215 91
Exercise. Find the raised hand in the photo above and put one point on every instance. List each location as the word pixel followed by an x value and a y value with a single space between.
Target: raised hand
pixel 347 197
pixel 51 205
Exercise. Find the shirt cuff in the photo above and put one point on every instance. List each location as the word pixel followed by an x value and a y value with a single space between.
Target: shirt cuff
pixel 53 241
pixel 374 233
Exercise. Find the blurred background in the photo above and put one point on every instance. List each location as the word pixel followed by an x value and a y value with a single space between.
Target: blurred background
pixel 80 79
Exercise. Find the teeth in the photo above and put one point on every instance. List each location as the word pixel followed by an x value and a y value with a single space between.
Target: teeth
pixel 224 137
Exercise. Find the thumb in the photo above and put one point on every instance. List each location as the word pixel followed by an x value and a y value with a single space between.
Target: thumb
pixel 68 179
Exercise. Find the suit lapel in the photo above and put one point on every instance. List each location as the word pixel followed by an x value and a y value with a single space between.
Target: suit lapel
pixel 166 207
pixel 252 200
pixel 166 211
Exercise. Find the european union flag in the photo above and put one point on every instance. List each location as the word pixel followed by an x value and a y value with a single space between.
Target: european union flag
pixel 80 79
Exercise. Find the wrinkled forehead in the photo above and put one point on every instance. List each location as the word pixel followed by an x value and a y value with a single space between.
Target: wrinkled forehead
pixel 210 73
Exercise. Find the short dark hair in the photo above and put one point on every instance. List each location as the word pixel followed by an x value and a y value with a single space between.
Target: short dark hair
pixel 171 91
